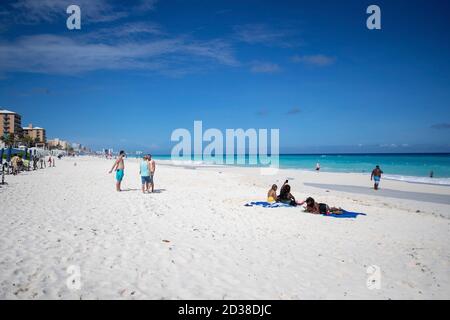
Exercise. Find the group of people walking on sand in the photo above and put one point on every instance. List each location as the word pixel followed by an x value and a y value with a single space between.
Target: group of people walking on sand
pixel 147 168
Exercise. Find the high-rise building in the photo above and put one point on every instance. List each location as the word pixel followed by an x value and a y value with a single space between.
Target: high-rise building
pixel 10 123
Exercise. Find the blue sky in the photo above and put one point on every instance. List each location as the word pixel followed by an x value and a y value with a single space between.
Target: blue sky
pixel 133 74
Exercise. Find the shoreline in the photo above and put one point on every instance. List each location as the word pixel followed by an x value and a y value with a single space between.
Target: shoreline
pixel 444 181
pixel 383 192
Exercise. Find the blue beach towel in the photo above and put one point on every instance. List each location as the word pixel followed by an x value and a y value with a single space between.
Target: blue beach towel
pixel 265 204
pixel 345 214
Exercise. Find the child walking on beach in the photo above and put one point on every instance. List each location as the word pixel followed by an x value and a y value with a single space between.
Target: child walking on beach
pixel 119 167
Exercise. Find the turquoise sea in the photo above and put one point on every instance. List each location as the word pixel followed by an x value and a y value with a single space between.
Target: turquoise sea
pixel 407 167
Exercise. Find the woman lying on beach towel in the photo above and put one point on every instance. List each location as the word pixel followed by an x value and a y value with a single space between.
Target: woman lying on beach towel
pixel 320 208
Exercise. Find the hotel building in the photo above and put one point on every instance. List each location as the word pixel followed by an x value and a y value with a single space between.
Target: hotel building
pixel 36 133
pixel 58 143
pixel 10 123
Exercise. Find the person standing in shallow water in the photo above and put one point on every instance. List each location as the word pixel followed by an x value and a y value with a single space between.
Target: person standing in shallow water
pixel 119 167
pixel 376 176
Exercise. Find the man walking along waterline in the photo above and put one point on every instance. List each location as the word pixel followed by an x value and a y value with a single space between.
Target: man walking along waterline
pixel 376 176
pixel 119 167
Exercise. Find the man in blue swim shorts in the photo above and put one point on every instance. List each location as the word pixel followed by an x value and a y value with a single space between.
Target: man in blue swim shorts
pixel 119 167
pixel 376 176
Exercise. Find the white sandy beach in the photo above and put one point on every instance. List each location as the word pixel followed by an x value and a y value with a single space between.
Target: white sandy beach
pixel 194 239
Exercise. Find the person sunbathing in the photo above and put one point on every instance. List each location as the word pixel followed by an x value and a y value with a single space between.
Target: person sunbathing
pixel 320 208
pixel 272 194
pixel 286 196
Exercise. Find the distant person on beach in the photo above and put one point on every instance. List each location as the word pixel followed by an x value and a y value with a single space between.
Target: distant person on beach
pixel 272 194
pixel 144 171
pixel 119 167
pixel 317 166
pixel 286 196
pixel 35 162
pixel 15 164
pixel 431 174
pixel 152 171
pixel 376 176
pixel 20 164
pixel 320 208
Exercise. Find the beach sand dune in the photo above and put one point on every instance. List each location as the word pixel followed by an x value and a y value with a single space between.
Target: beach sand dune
pixel 194 239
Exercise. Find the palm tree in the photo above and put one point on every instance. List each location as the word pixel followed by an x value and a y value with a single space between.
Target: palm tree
pixel 10 139
pixel 28 141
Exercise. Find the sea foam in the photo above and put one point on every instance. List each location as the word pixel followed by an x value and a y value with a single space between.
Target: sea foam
pixel 412 179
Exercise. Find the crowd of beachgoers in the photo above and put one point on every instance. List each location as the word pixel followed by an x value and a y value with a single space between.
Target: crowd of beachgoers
pixel 17 163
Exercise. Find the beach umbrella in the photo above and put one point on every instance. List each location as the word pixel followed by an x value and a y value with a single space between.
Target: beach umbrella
pixel 29 157
pixel 1 163
pixel 8 154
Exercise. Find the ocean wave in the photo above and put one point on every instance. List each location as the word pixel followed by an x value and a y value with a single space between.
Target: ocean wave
pixel 412 179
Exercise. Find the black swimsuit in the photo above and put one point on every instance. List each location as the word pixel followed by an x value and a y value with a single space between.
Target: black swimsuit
pixel 323 208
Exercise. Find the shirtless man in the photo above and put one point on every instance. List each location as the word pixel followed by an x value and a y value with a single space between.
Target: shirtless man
pixel 376 176
pixel 152 170
pixel 119 167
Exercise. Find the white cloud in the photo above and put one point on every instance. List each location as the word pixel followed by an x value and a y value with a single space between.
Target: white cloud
pixel 264 67
pixel 262 34
pixel 441 126
pixel 125 31
pixel 38 11
pixel 293 111
pixel 316 60
pixel 56 54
